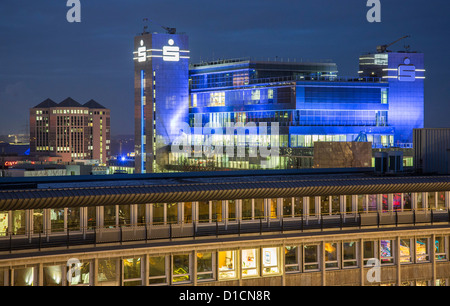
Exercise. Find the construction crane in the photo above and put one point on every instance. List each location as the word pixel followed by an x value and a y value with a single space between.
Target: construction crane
pixel 168 29
pixel 383 48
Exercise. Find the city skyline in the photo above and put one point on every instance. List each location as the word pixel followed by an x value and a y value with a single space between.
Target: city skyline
pixel 93 58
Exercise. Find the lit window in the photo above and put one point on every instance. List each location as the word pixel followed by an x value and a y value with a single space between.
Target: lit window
pixel 132 272
pixel 331 256
pixel 405 250
pixel 205 266
pixel 422 249
pixel 157 270
pixel 350 254
pixel 311 257
pixel 441 248
pixel 249 263
pixel 291 259
pixel 387 251
pixel 227 265
pixel 181 268
pixel 270 261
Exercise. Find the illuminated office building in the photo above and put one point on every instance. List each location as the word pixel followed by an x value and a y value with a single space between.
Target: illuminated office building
pixel 404 73
pixel 161 100
pixel 70 130
pixel 307 102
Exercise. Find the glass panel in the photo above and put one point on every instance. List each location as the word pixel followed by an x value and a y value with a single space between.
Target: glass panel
pixel 18 222
pixel 57 219
pixel 422 249
pixel 362 203
pixel 325 205
pixel 92 217
pixel 386 251
pixel 405 250
pixel 180 268
pixel 372 202
pixel 81 278
pixel 246 209
pixel 440 248
pixel 259 208
pixel 24 277
pixel 291 258
pixel 397 201
pixel 249 263
pixel 216 211
pixel 270 261
pixel 203 211
pixel 141 214
pixel 231 210
pixel 431 200
pixel 335 205
pixel 187 217
pixel 331 255
pixel 348 204
pixel 38 221
pixel 227 264
pixel 158 213
pixel 287 207
pixel 311 257
pixel 298 207
pixel 108 270
pixel 273 204
pixel 131 268
pixel 53 275
pixel 419 197
pixel 369 250
pixel 312 206
pixel 350 259
pixel 157 270
pixel 441 200
pixel 109 216
pixel 4 223
pixel 204 265
pixel 385 202
pixel 407 201
pixel 73 219
pixel 124 214
pixel 172 213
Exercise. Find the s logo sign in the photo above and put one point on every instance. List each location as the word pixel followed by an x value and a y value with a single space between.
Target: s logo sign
pixel 407 72
pixel 142 52
pixel 171 53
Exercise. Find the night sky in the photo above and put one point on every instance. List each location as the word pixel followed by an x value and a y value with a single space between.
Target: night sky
pixel 42 55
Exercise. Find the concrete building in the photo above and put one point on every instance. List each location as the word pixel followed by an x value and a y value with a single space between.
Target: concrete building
pixel 70 130
pixel 250 228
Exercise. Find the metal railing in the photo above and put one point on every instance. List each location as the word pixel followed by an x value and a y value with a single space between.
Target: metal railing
pixel 96 236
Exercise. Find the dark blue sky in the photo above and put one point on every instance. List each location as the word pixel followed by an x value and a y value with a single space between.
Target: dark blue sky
pixel 44 56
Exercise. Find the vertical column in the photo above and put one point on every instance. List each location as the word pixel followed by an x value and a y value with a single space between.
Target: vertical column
pixel 397 260
pixel 361 260
pixel 433 259
pixel 322 263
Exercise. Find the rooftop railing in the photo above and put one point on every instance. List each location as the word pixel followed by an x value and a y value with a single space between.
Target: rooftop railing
pixel 219 227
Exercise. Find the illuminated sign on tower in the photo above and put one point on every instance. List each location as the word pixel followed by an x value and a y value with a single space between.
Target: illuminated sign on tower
pixel 161 96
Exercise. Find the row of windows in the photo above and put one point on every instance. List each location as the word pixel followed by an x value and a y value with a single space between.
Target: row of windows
pixel 19 222
pixel 232 264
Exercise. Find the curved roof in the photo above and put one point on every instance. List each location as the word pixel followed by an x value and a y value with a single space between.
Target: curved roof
pixel 219 188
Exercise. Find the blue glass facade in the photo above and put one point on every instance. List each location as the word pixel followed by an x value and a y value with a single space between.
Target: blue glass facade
pixel 405 73
pixel 307 101
pixel 161 96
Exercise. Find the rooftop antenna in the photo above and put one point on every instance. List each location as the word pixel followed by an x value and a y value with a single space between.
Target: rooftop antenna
pixel 145 26
pixel 384 48
pixel 169 30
